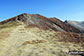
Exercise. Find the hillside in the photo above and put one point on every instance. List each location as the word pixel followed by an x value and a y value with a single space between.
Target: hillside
pixel 44 22
pixel 26 38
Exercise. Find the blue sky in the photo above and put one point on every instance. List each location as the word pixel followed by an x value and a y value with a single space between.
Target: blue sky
pixel 62 9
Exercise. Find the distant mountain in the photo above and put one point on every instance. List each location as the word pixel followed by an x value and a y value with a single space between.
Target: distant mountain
pixel 78 25
pixel 82 23
pixel 43 22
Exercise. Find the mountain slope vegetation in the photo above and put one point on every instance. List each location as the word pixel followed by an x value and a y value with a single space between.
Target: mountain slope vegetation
pixel 20 36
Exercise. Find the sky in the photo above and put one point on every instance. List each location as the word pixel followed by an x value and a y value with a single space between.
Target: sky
pixel 61 9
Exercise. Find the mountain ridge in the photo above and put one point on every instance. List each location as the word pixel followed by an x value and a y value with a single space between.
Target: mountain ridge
pixel 42 21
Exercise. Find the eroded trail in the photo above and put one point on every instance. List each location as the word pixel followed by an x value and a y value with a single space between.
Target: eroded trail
pixel 17 37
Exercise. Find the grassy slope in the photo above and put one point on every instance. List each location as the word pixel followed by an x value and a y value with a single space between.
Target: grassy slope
pixel 19 41
pixel 5 29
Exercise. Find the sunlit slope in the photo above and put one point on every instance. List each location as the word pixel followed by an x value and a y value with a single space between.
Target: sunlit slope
pixel 5 29
pixel 16 40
